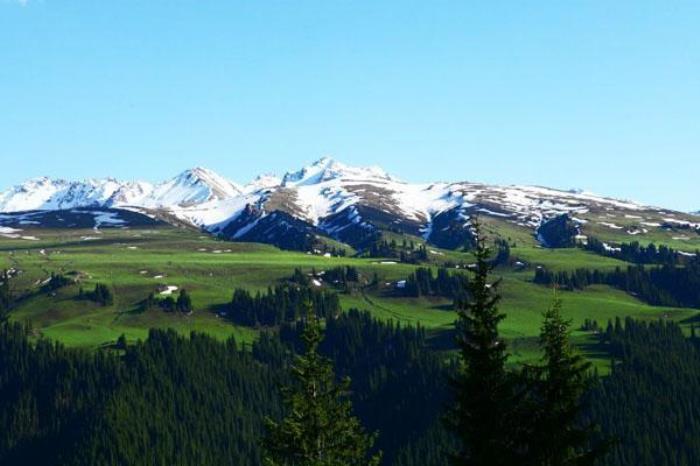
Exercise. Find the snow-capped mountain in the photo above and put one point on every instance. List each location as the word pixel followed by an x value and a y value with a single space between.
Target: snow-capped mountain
pixel 47 194
pixel 351 204
pixel 191 187
pixel 326 169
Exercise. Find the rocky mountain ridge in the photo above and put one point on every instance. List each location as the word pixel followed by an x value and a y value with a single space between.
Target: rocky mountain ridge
pixel 354 205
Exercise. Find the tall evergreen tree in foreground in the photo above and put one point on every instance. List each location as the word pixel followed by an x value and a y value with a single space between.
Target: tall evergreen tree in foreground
pixel 5 295
pixel 319 429
pixel 559 436
pixel 483 417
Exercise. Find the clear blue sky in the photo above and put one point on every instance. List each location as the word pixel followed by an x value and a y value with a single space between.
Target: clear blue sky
pixel 602 95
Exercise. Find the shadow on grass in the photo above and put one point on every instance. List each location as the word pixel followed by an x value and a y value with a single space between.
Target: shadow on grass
pixel 217 308
pixel 69 244
pixel 595 349
pixel 694 319
pixel 136 309
pixel 442 340
pixel 444 307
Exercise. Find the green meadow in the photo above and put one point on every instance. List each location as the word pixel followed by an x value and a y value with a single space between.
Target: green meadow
pixel 133 262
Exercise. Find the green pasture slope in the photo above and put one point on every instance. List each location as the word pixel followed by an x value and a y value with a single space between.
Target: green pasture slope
pixel 134 261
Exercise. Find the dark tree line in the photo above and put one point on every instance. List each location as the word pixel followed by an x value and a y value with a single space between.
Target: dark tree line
pixel 636 253
pixel 424 282
pixel 168 400
pixel 283 303
pixel 590 325
pixel 101 295
pixel 662 286
pixel 183 303
pixel 56 282
pixel 181 401
pixel 558 232
pixel 340 277
pixel 650 403
pixel 406 251
pixel 195 400
pixel 325 248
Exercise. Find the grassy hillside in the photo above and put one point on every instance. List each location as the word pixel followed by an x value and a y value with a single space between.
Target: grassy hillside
pixel 133 262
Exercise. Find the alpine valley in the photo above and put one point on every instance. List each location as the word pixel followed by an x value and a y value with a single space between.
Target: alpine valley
pixel 154 323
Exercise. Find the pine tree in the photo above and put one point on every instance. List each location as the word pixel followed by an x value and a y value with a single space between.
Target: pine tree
pixel 559 435
pixel 483 418
pixel 319 429
pixel 184 302
pixel 121 342
pixel 5 295
pixel 102 295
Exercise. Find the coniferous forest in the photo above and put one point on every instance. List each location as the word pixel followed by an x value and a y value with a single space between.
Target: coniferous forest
pixel 665 285
pixel 326 387
pixel 648 405
pixel 199 401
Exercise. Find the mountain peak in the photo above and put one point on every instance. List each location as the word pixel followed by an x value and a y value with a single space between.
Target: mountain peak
pixel 196 185
pixel 328 169
pixel 40 181
pixel 324 161
pixel 264 181
pixel 198 173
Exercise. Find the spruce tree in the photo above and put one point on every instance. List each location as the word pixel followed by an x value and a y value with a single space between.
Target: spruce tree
pixel 483 417
pixel 184 302
pixel 102 295
pixel 5 295
pixel 559 436
pixel 319 429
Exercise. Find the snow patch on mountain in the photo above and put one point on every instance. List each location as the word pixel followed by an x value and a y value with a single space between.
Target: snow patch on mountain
pixel 212 214
pixel 105 218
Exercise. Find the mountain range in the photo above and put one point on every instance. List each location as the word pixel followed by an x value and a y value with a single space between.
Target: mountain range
pixel 327 199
